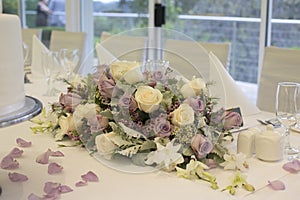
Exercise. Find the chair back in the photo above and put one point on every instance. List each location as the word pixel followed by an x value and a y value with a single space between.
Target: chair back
pixel 187 57
pixel 69 40
pixel 123 47
pixel 279 64
pixel 221 50
pixel 27 37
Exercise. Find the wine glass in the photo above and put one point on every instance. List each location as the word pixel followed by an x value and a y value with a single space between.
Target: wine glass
pixel 69 58
pixel 286 111
pixel 50 64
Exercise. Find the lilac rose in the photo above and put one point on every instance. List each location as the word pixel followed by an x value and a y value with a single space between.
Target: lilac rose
pixel 70 101
pixel 106 86
pixel 163 128
pixel 232 120
pixel 127 101
pixel 196 103
pixel 201 145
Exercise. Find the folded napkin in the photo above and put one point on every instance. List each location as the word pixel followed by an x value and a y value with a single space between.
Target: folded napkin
pixel 36 64
pixel 230 94
pixel 104 56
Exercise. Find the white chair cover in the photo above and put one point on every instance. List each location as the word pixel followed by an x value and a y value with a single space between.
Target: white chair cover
pixel 279 64
pixel 69 40
pixel 123 47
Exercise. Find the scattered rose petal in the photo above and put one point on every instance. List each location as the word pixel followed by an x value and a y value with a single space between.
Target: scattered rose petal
pixel 81 183
pixel 277 185
pixel 55 189
pixel 90 177
pixel 54 168
pixel 65 189
pixel 16 177
pixel 16 152
pixel 292 167
pixel 8 162
pixel 56 154
pixel 34 197
pixel 23 143
pixel 44 157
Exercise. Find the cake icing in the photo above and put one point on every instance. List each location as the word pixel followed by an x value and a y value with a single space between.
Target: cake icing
pixel 12 95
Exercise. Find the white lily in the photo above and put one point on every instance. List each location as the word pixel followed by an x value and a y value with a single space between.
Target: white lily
pixel 234 161
pixel 165 156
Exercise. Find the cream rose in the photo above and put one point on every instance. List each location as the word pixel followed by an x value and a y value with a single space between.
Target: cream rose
pixel 105 146
pixel 193 88
pixel 66 124
pixel 183 115
pixel 148 98
pixel 120 68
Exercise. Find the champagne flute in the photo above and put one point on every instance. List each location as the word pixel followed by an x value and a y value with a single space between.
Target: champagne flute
pixel 286 111
pixel 69 58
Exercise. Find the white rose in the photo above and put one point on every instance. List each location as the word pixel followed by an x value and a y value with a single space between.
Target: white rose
pixel 134 75
pixel 194 87
pixel 66 124
pixel 87 111
pixel 183 115
pixel 148 98
pixel 120 68
pixel 105 146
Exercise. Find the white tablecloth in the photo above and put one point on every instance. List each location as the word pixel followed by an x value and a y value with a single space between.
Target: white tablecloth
pixel 114 184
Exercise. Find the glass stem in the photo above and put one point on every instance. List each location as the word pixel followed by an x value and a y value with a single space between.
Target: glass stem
pixel 287 138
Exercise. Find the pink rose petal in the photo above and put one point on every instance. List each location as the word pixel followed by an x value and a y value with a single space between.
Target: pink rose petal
pixel 8 162
pixel 90 177
pixel 34 197
pixel 16 177
pixel 277 185
pixel 44 157
pixel 65 189
pixel 81 183
pixel 56 154
pixel 23 143
pixel 16 152
pixel 51 187
pixel 54 168
pixel 292 167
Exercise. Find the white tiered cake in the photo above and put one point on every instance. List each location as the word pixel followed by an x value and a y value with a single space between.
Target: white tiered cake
pixel 12 95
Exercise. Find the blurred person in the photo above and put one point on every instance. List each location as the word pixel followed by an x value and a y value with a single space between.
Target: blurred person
pixel 43 11
pixel 57 18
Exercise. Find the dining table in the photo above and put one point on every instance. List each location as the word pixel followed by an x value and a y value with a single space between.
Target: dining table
pixel 115 183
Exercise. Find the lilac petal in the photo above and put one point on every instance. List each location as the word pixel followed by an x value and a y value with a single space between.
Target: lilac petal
pixel 277 185
pixel 51 187
pixel 54 168
pixel 56 154
pixel 16 152
pixel 90 177
pixel 81 183
pixel 16 177
pixel 8 162
pixel 44 157
pixel 292 167
pixel 65 189
pixel 34 197
pixel 23 143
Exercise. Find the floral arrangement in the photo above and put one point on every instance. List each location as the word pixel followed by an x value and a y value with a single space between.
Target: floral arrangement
pixel 150 114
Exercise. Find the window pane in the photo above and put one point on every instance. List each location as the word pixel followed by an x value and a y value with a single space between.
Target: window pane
pixel 115 16
pixel 234 21
pixel 286 24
